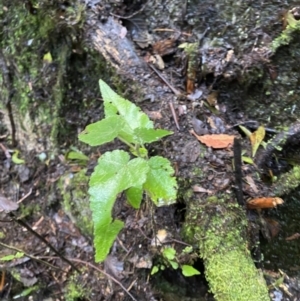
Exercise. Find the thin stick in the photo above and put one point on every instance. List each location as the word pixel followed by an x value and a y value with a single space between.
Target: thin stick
pixel 25 196
pixel 237 154
pixel 132 15
pixel 174 115
pixel 175 91
pixel 100 271
pixel 20 222
pixel 28 255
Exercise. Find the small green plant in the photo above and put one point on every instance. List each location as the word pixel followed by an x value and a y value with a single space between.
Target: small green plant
pixel 170 259
pixel 116 171
pixel 75 289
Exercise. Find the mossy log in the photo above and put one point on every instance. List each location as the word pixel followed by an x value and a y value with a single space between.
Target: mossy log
pixel 218 227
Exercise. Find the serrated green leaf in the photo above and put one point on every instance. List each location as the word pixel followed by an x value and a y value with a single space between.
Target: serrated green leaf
pixel 188 271
pixel 169 253
pixel 109 109
pixel 150 135
pixel 114 173
pixel 160 185
pixel 134 196
pixel 72 155
pixel 104 237
pixel 131 113
pixel 102 131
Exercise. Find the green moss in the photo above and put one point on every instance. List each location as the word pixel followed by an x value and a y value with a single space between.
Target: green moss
pixel 75 290
pixel 246 282
pixel 45 92
pixel 28 210
pixel 218 226
pixel 287 182
pixel 74 190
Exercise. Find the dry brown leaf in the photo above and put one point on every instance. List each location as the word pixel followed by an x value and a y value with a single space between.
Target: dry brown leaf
pixel 154 115
pixel 251 183
pixel 263 203
pixel 190 84
pixel 7 205
pixel 273 226
pixel 197 188
pixel 160 238
pixel 212 98
pixel 164 47
pixel 215 140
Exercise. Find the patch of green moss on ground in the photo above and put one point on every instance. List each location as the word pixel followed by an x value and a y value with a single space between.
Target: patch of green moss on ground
pixel 74 191
pixel 75 289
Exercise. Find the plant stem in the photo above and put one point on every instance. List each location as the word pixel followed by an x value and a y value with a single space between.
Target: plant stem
pixel 127 143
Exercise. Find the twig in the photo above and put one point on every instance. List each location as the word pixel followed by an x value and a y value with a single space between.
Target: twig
pixel 132 15
pixel 99 270
pixel 12 122
pixel 6 151
pixel 29 256
pixel 25 196
pixel 175 91
pixel 2 281
pixel 23 224
pixel 174 115
pixel 237 153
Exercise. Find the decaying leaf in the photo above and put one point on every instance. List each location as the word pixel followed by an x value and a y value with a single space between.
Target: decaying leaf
pixel 154 115
pixel 157 61
pixel 216 140
pixel 113 266
pixel 197 188
pixel 190 83
pixel 251 183
pixel 256 138
pixel 264 203
pixel 212 98
pixel 164 47
pixel 160 238
pixel 272 226
pixel 7 205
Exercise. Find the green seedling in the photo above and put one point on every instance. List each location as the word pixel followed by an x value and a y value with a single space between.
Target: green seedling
pixel 132 172
pixel 169 259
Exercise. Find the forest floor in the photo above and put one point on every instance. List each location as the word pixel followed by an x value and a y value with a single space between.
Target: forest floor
pixel 46 241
